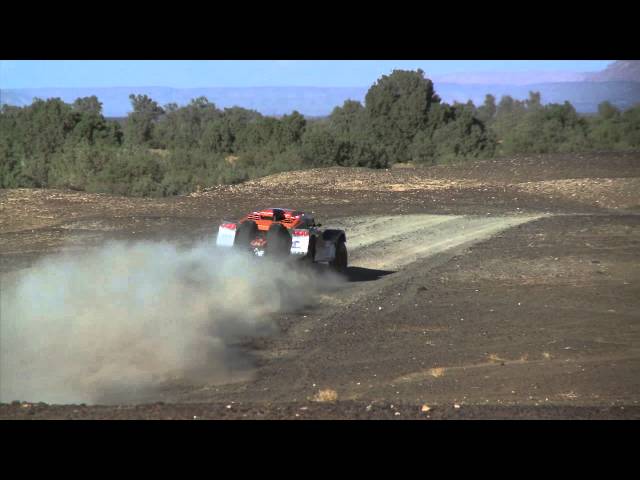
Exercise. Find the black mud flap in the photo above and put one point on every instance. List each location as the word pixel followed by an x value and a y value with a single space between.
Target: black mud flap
pixel 333 235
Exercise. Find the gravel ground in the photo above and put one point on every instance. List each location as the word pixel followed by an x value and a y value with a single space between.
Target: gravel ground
pixel 508 288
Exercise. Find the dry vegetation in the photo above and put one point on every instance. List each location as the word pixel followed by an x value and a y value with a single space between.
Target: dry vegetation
pixel 326 395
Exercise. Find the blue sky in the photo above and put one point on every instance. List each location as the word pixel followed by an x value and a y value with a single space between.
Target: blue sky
pixel 252 73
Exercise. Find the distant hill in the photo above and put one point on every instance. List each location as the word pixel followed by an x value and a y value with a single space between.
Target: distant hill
pixel 618 71
pixel 509 78
pixel 584 96
pixel 312 101
pixel 619 83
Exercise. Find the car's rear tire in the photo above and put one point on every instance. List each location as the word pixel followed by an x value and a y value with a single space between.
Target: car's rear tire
pixel 339 263
pixel 246 232
pixel 278 241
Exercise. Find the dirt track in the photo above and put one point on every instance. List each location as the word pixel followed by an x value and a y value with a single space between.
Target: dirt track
pixel 390 242
pixel 508 289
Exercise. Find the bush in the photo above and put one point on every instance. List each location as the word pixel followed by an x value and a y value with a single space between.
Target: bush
pixel 132 171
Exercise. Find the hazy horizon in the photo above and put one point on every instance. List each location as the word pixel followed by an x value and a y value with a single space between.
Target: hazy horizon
pixel 312 87
pixel 32 74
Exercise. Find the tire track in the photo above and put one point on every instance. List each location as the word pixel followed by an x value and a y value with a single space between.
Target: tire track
pixel 391 242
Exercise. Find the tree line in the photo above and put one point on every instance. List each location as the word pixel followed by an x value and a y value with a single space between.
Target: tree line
pixel 168 150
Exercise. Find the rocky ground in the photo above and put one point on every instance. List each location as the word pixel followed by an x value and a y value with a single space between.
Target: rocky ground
pixel 498 289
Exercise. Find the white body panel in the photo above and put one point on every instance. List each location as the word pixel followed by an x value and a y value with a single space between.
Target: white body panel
pixel 225 237
pixel 299 244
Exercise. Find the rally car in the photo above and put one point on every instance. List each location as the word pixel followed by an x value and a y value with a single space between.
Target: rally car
pixel 284 232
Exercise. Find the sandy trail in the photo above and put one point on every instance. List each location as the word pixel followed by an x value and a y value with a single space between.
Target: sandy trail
pixel 390 242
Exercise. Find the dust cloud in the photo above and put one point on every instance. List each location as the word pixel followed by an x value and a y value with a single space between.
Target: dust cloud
pixel 119 323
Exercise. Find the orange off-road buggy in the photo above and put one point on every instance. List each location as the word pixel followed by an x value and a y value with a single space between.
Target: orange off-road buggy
pixel 283 232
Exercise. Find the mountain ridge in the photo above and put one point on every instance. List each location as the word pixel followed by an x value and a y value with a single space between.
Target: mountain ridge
pixel 620 70
pixel 619 84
